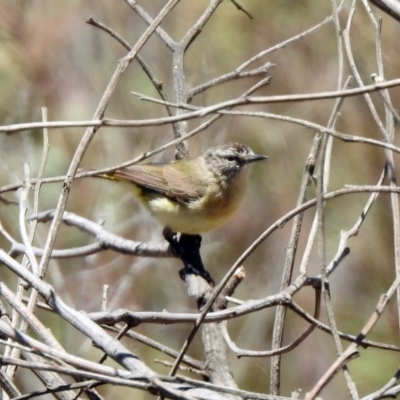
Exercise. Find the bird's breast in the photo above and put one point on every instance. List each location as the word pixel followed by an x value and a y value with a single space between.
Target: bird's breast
pixel 214 208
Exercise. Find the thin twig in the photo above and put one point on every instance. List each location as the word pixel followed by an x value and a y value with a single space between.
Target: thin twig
pixel 351 350
pixel 156 82
pixel 89 134
pixel 241 8
pixel 252 353
pixel 97 122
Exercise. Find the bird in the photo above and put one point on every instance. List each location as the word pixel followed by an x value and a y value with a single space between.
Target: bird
pixel 193 195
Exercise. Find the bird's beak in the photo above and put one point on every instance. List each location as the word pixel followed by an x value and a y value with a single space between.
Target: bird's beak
pixel 255 157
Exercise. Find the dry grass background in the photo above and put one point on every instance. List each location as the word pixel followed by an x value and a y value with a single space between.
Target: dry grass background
pixel 50 57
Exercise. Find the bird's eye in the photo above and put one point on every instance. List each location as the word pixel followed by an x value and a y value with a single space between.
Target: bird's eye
pixel 231 158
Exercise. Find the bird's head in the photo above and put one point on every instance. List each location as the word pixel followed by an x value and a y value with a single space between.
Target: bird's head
pixel 230 159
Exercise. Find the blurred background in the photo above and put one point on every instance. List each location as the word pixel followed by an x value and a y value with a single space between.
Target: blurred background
pixel 50 57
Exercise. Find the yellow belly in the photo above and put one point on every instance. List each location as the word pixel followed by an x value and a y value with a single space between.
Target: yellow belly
pixel 190 219
pixel 200 216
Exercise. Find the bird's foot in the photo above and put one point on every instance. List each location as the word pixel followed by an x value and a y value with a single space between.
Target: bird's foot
pixel 187 249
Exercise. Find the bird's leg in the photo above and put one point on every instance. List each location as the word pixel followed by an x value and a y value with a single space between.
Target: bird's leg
pixel 187 249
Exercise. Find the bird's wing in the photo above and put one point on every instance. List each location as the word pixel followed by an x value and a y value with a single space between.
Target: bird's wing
pixel 171 180
pixel 181 177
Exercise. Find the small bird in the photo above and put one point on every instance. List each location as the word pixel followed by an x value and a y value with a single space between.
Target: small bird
pixel 193 195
